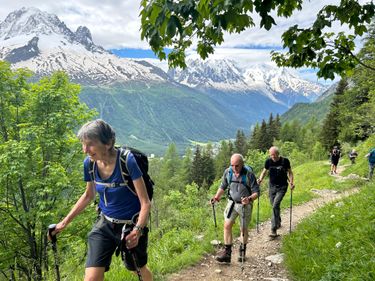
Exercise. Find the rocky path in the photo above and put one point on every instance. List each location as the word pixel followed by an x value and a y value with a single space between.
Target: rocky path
pixel 264 260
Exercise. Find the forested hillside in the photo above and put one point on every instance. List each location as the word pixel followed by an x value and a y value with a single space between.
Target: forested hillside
pixel 41 172
pixel 303 112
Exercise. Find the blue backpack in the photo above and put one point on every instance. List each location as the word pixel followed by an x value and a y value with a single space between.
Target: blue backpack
pixel 243 178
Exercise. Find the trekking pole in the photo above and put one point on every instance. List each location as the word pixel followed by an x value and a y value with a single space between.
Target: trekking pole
pixel 51 228
pixel 214 213
pixel 126 230
pixel 215 223
pixel 290 215
pixel 258 215
pixel 136 266
pixel 243 237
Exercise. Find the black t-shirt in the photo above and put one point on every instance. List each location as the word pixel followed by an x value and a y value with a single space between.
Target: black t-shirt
pixel 278 171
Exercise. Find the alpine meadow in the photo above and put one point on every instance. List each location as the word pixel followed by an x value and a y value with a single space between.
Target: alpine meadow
pixel 190 120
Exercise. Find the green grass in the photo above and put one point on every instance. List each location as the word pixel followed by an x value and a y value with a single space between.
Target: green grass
pixel 310 250
pixel 336 243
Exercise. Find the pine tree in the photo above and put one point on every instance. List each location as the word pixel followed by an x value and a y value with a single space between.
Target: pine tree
pixel 331 124
pixel 357 109
pixel 196 174
pixel 263 144
pixel 222 159
pixel 240 143
pixel 208 167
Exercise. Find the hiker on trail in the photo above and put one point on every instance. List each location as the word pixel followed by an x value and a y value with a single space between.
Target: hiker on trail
pixel 371 162
pixel 353 155
pixel 243 189
pixel 119 205
pixel 280 172
pixel 335 156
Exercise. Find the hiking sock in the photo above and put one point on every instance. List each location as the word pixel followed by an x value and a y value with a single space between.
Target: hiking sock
pixel 242 253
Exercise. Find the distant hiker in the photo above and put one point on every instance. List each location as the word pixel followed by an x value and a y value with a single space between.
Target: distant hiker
pixel 335 156
pixel 371 162
pixel 121 207
pixel 280 172
pixel 243 189
pixel 353 155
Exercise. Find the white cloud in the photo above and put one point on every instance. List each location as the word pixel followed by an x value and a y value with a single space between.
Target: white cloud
pixel 116 24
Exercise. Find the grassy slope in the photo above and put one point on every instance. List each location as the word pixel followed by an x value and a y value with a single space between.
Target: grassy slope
pixel 303 112
pixel 175 245
pixel 337 242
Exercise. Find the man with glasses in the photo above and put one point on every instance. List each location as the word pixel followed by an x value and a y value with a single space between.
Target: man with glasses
pixel 243 189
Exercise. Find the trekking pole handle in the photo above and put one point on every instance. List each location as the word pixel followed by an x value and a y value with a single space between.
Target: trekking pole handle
pixel 51 228
pixel 214 213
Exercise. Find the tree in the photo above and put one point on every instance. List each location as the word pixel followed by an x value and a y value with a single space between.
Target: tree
pixel 222 159
pixel 263 144
pixel 331 124
pixel 39 165
pixel 168 23
pixel 356 111
pixel 273 128
pixel 240 143
pixel 208 167
pixel 196 174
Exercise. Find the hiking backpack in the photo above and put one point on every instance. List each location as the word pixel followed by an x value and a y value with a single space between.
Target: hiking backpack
pixel 243 178
pixel 142 162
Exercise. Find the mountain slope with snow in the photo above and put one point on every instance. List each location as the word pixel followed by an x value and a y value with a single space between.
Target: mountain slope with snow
pixel 278 84
pixel 41 42
pixel 210 100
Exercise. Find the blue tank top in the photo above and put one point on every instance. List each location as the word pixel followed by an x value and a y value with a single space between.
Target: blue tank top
pixel 117 202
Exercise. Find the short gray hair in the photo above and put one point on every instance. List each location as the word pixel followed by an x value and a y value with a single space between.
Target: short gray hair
pixel 97 130
pixel 239 156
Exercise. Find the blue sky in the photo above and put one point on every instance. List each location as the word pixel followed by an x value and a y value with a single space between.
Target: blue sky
pixel 115 25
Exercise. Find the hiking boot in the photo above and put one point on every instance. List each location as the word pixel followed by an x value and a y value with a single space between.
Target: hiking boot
pixel 273 233
pixel 225 255
pixel 242 253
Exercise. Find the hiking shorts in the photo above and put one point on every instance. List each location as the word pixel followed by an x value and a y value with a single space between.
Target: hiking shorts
pixel 105 238
pixel 235 209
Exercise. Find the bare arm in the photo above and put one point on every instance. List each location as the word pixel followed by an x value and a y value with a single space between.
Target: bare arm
pixel 218 195
pixel 262 175
pixel 79 206
pixel 291 178
pixel 140 189
pixel 133 237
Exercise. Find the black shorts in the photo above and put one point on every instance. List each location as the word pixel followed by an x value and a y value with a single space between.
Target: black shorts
pixel 105 238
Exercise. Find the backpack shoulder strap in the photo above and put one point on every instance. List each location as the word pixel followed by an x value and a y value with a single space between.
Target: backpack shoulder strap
pixel 92 170
pixel 123 162
pixel 245 177
pixel 229 175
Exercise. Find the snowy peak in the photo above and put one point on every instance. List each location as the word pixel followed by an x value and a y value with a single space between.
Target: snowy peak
pixel 30 38
pixel 222 74
pixel 28 21
pixel 226 75
pixel 282 80
pixel 31 22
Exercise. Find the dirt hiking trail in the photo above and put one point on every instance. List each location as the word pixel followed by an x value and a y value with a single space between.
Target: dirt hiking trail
pixel 263 257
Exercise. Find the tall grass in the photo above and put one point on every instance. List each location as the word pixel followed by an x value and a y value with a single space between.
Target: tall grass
pixel 336 243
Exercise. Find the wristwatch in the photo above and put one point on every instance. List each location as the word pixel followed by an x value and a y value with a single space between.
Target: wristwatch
pixel 139 228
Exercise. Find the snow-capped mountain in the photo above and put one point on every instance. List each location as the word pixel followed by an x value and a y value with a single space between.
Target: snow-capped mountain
pixel 278 84
pixel 41 42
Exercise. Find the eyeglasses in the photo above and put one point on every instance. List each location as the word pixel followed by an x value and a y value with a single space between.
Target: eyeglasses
pixel 235 166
